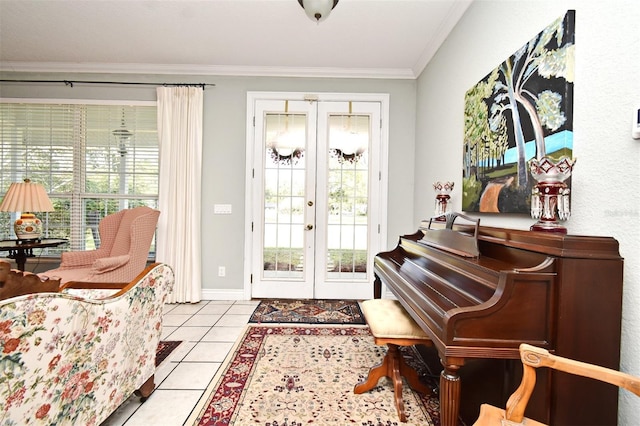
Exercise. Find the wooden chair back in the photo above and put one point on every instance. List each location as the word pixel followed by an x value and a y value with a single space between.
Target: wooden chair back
pixel 17 283
pixel 533 357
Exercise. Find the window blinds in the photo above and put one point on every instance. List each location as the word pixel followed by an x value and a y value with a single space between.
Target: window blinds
pixel 92 159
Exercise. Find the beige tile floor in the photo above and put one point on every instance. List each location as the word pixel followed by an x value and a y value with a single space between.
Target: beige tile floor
pixel 208 330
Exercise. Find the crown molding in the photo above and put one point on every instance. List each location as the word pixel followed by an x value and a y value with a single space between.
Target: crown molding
pixel 458 8
pixel 214 70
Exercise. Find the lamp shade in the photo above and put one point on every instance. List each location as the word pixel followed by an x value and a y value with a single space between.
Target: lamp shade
pixel 26 197
pixel 318 10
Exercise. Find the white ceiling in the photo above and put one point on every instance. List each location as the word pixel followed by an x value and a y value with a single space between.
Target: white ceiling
pixel 361 38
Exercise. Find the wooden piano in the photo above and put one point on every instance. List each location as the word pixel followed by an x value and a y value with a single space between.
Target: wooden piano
pixel 560 292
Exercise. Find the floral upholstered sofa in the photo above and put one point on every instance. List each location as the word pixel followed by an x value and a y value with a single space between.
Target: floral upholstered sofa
pixel 71 358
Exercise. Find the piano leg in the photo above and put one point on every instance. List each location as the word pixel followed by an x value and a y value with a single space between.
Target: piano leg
pixel 377 287
pixel 449 395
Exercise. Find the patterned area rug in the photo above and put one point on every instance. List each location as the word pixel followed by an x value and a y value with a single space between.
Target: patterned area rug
pixel 165 347
pixel 298 375
pixel 307 311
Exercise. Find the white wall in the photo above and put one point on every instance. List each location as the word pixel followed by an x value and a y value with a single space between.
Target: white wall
pixel 606 182
pixel 224 154
pixel 224 150
pixel 606 178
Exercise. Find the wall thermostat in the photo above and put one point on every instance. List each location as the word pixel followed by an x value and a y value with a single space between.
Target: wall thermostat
pixel 635 129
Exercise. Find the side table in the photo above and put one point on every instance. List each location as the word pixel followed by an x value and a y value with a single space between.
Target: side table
pixel 20 250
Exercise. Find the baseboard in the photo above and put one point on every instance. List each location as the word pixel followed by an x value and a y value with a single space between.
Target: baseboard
pixel 238 294
pixel 387 294
pixel 222 294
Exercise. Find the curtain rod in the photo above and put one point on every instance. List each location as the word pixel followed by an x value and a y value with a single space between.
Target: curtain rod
pixel 70 83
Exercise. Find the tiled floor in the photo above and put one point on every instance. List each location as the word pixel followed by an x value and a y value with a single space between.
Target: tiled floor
pixel 208 330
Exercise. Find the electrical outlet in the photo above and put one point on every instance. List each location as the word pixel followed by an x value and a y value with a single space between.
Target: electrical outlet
pixel 222 271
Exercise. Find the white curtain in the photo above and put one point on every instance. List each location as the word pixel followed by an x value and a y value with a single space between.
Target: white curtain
pixel 180 111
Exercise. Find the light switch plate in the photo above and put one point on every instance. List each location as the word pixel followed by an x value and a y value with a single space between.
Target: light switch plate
pixel 635 128
pixel 222 209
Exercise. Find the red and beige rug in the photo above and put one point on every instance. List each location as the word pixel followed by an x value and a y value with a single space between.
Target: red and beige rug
pixel 301 375
pixel 308 311
pixel 165 347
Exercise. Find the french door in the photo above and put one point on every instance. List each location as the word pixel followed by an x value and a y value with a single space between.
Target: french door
pixel 315 187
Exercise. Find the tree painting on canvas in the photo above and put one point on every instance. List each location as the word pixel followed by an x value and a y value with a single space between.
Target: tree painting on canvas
pixel 523 109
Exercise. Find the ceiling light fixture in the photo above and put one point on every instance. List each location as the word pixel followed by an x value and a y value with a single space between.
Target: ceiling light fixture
pixel 123 135
pixel 318 10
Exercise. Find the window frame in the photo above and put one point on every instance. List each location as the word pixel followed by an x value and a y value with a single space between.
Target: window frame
pixel 77 222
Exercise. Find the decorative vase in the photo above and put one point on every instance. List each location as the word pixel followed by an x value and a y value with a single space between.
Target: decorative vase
pixel 550 195
pixel 443 189
pixel 28 227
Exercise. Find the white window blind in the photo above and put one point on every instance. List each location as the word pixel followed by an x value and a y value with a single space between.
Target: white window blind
pixel 92 159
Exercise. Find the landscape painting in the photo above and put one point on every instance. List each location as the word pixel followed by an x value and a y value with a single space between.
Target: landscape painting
pixel 523 109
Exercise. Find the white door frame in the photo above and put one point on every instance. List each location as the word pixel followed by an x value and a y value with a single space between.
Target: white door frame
pixel 383 98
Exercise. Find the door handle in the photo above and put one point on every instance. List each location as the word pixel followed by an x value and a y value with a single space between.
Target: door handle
pixel 309 227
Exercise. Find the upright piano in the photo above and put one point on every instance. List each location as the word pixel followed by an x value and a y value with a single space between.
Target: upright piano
pixel 560 292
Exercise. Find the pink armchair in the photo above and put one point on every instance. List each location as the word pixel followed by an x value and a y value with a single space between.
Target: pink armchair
pixel 125 241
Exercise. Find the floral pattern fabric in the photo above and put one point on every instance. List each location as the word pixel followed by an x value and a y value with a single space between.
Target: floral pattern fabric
pixel 70 360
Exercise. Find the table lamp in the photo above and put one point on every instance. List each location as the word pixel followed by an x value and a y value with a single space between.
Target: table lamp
pixel 27 197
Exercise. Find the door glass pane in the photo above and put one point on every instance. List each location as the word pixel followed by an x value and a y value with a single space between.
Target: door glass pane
pixel 284 195
pixel 348 190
